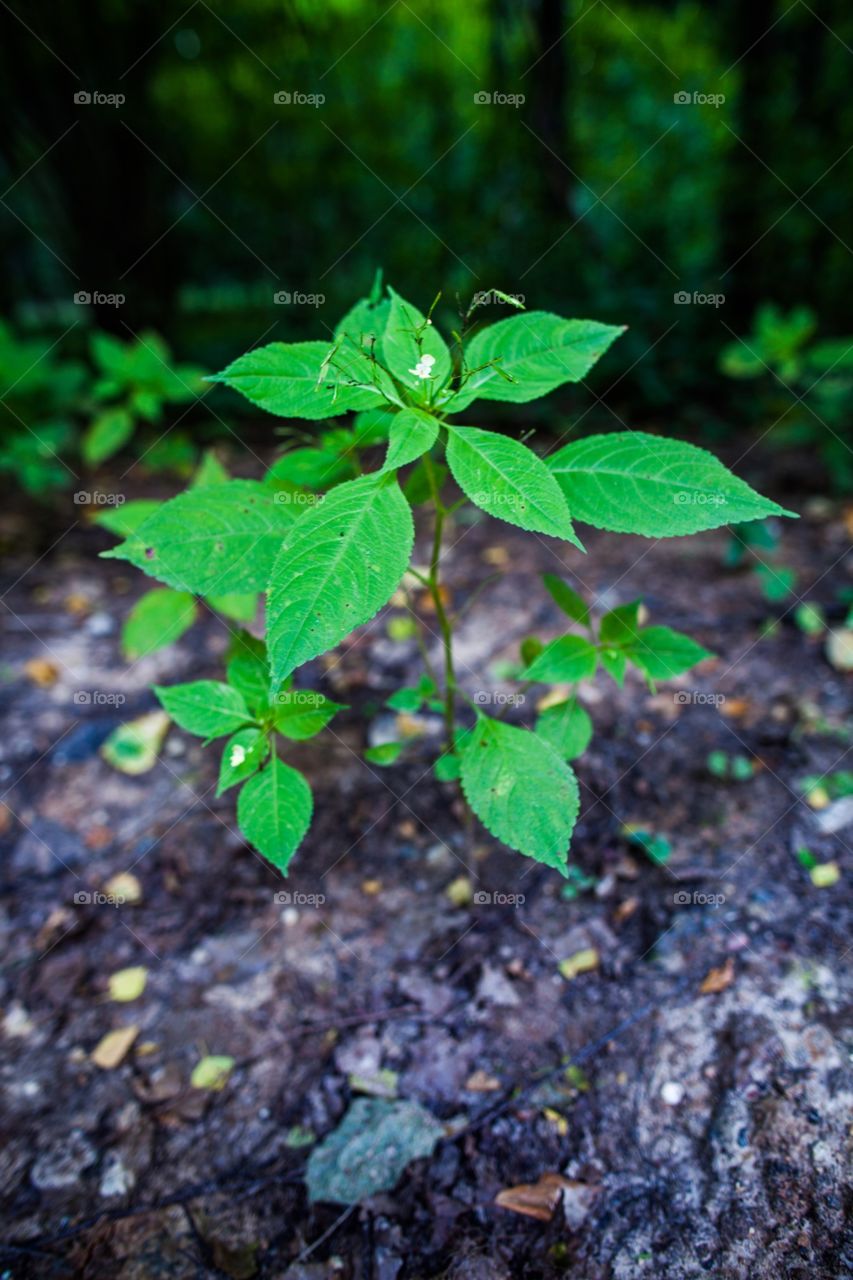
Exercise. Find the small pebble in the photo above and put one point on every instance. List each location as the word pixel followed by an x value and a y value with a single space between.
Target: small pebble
pixel 672 1093
pixel 289 917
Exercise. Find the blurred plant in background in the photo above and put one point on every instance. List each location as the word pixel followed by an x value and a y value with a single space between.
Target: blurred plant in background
pixel 807 384
pixel 58 410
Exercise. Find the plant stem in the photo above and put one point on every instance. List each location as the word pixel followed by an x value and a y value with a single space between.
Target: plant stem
pixel 444 623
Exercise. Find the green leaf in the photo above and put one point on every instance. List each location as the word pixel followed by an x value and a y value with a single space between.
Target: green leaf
pixel 243 755
pixel 239 605
pixel 508 480
pixel 386 753
pixel 533 354
pixel 447 768
pixel 530 649
pixel 285 378
pixel 567 659
pixel 663 653
pixel 408 337
pixel 567 599
pixel 126 519
pixel 158 619
pixel 520 790
pixel 373 426
pixel 631 482
pixel 337 567
pixel 311 468
pixel 212 1072
pixel 370 1149
pixel 777 581
pixel 407 700
pixel 615 664
pixel 210 470
pixel 417 487
pixel 247 669
pixel 207 708
pixel 567 727
pixel 210 538
pixel 365 323
pixel 413 434
pixel 274 812
pixel 302 713
pixel 619 626
pixel 105 435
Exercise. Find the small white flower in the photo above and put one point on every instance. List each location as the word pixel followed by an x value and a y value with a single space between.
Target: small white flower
pixel 238 755
pixel 423 369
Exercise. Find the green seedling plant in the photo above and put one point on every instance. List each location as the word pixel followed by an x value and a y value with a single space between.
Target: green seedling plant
pixel 330 550
pixel 135 382
pixel 809 381
pixel 40 393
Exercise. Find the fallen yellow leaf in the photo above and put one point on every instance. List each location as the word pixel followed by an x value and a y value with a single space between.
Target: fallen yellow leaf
pixel 41 672
pixel 212 1072
pixel 124 886
pixel 112 1050
pixel 128 984
pixel 581 962
pixel 825 875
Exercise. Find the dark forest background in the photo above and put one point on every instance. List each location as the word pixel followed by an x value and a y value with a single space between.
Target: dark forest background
pixel 600 195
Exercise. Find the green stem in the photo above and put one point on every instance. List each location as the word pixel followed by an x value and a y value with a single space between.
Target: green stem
pixel 444 624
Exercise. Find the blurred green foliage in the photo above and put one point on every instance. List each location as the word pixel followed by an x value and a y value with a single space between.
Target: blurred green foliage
pixel 201 198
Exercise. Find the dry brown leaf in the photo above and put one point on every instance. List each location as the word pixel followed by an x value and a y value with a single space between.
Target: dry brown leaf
pixel 734 708
pixel 41 672
pixel 625 910
pixel 719 979
pixel 77 604
pixel 481 1082
pixel 112 1050
pixel 540 1199
pixel 58 922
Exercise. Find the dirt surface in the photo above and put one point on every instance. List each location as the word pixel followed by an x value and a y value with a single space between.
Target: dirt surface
pixel 705 1132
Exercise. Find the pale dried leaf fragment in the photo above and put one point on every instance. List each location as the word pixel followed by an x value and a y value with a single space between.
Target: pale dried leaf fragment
pixel 717 980
pixel 581 962
pixel 481 1082
pixel 540 1199
pixel 113 1048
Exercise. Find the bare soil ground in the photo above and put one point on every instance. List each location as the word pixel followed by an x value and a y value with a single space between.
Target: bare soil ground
pixel 711 1128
